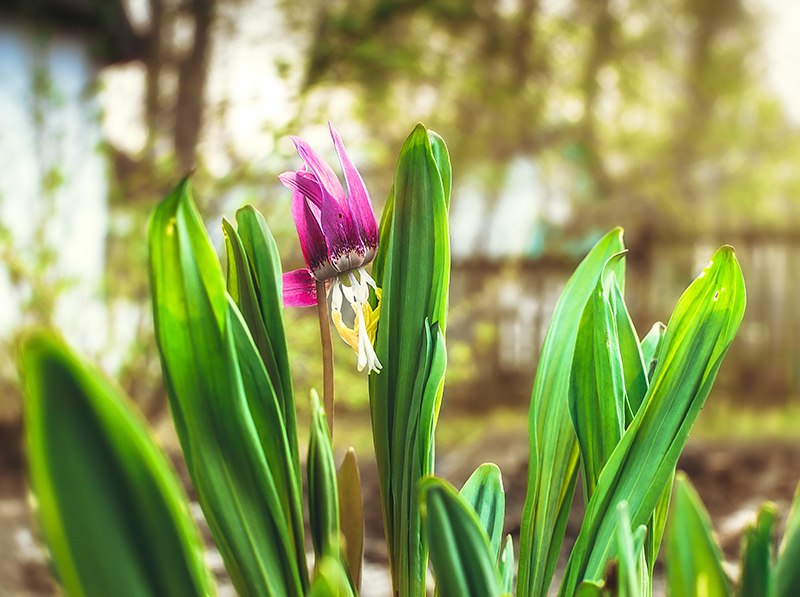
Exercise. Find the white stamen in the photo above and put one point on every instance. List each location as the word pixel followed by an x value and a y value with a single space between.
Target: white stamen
pixel 356 293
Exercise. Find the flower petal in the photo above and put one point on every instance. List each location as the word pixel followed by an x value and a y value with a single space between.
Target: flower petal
pixel 312 240
pixel 305 182
pixel 341 232
pixel 357 194
pixel 320 169
pixel 299 288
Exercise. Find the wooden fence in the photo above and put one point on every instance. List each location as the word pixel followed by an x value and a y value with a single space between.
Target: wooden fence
pixel 500 312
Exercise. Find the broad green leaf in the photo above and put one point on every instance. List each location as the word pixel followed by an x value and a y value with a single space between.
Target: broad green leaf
pixel 412 266
pixel 506 568
pixel 597 399
pixel 258 276
pixel 460 553
pixel 323 494
pixel 757 554
pixel 650 345
pixel 698 336
pixel 111 509
pixel 693 558
pixel 484 492
pixel 227 415
pixel 351 515
pixel 553 448
pixel 786 573
pixel 331 579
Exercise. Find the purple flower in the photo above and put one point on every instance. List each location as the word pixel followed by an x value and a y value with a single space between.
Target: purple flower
pixel 338 235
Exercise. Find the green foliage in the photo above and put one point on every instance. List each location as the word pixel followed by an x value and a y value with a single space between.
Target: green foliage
pixel 351 515
pixel 693 558
pixel 461 556
pixel 484 492
pixel 323 495
pixel 111 509
pixel 228 417
pixel 330 579
pixel 254 282
pixel 632 571
pixel 786 573
pixel 412 267
pixel 757 553
pixel 620 407
pixel 553 460
pixel 698 335
pixel 507 567
pixel 597 396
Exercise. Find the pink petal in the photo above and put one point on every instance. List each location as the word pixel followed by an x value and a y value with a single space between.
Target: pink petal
pixel 320 169
pixel 357 194
pixel 299 288
pixel 305 182
pixel 345 248
pixel 312 241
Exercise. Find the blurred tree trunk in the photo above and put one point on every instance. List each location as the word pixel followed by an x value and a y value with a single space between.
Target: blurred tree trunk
pixel 175 118
pixel 192 76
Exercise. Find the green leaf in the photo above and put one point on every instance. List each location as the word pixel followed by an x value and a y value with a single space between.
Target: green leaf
pixel 412 266
pixel 698 336
pixel 460 553
pixel 553 447
pixel 597 399
pixel 591 589
pixel 757 553
pixel 442 158
pixel 351 515
pixel 655 528
pixel 227 415
pixel 111 509
pixel 633 364
pixel 323 493
pixel 693 558
pixel 256 284
pixel 331 579
pixel 650 346
pixel 506 567
pixel 484 492
pixel 632 573
pixel 786 573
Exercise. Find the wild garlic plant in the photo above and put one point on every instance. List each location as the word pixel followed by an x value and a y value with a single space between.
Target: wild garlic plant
pixel 607 406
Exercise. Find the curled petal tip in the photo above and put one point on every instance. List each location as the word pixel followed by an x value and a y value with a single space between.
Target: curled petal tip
pixel 299 288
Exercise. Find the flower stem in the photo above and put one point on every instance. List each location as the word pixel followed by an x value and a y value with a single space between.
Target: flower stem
pixel 327 354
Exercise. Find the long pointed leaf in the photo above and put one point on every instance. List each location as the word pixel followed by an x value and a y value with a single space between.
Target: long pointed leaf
pixel 553 448
pixel 412 267
pixel 484 492
pixel 460 554
pixel 597 399
pixel 323 494
pixel 351 515
pixel 693 557
pixel 507 567
pixel 757 553
pixel 111 509
pixel 786 574
pixel 698 336
pixel 226 413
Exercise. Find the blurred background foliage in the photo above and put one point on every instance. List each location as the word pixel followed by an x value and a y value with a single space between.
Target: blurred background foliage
pixel 563 118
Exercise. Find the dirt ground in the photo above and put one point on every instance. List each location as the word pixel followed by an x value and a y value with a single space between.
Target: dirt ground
pixel 733 478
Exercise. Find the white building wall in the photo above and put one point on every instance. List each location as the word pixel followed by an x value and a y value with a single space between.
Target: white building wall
pixel 62 142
